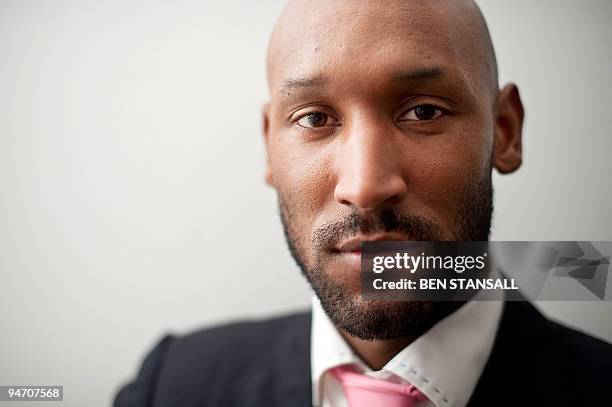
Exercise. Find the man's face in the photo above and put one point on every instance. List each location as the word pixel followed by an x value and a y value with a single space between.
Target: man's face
pixel 380 126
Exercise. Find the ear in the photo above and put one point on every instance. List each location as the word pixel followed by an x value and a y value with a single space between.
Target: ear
pixel 266 134
pixel 508 149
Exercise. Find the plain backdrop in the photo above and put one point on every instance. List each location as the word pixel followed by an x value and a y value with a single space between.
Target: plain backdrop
pixel 131 173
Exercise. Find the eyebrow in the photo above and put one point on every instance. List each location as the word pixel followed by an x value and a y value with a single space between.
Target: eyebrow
pixel 290 84
pixel 418 74
pixel 293 84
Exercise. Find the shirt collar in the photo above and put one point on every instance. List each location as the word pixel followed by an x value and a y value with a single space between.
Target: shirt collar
pixel 445 363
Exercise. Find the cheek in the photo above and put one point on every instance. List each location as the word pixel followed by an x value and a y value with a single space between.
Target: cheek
pixel 448 166
pixel 303 178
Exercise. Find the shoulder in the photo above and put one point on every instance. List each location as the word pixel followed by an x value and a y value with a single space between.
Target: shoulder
pixel 139 392
pixel 577 350
pixel 563 361
pixel 559 365
pixel 587 359
pixel 214 355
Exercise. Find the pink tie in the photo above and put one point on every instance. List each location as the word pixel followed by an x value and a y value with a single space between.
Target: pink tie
pixel 363 391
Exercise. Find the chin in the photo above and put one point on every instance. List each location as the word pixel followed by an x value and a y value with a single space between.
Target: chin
pixel 379 320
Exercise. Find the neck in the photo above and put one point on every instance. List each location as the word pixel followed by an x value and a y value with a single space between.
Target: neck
pixel 377 353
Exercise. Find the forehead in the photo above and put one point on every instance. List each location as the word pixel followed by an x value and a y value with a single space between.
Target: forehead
pixel 361 42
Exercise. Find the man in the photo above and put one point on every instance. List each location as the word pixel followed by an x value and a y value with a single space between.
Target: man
pixel 385 121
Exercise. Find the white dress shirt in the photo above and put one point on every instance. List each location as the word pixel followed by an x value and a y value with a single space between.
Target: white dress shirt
pixel 445 363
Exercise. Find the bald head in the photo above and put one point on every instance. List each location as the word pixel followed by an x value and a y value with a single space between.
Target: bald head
pixel 311 34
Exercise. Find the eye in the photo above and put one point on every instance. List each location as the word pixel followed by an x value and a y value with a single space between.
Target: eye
pixel 317 119
pixel 421 113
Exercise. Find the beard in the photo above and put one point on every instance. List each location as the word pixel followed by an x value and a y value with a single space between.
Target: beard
pixel 375 319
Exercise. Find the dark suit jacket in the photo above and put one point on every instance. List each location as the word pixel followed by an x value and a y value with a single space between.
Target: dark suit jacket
pixel 534 362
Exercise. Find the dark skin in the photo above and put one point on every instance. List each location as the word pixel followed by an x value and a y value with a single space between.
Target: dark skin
pixel 371 106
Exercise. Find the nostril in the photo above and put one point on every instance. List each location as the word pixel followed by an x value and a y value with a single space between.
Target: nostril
pixel 392 200
pixel 370 191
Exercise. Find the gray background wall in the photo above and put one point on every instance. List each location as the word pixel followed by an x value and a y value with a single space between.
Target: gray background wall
pixel 131 172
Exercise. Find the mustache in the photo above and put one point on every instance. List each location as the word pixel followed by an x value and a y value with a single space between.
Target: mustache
pixel 386 221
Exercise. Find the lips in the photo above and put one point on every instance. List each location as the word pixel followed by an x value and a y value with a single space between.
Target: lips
pixel 353 245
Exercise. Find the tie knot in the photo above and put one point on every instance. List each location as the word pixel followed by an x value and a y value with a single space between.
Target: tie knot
pixel 364 391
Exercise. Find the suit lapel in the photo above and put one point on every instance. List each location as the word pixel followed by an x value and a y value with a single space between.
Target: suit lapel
pixel 293 358
pixel 525 366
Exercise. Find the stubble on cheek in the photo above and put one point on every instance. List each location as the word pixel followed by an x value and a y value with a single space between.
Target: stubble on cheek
pixel 303 191
pixel 453 176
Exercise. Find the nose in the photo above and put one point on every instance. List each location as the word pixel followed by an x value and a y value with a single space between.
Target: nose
pixel 370 170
